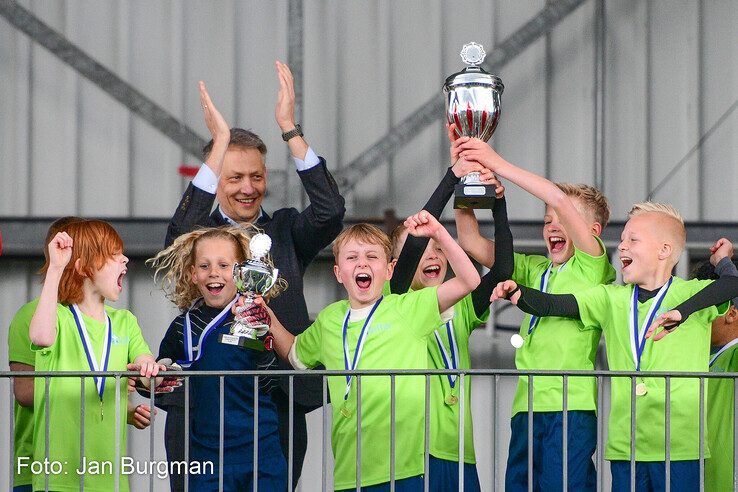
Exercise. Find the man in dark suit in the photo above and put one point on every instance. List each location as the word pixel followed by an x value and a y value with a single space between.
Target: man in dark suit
pixel 235 174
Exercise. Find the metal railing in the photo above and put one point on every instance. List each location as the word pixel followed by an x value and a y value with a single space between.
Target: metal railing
pixel 493 374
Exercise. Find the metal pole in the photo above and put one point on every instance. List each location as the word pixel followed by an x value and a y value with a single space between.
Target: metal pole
pixel 495 434
pixel 221 431
pixel 291 444
pixel 152 397
pixel 667 435
pixel 255 478
pixel 426 452
pixel 632 433
pixel 462 432
pixel 530 433
pixel 186 430
pixel 82 428
pixel 326 433
pixel 358 433
pixel 47 429
pixel 116 465
pixel 702 434
pixel 600 432
pixel 564 434
pixel 393 416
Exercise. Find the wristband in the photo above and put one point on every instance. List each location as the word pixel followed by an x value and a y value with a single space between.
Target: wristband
pixel 295 132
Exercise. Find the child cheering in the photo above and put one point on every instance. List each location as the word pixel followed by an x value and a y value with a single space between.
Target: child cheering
pixel 73 330
pixel 197 272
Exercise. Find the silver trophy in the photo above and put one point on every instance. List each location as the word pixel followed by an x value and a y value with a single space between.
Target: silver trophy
pixel 473 105
pixel 253 277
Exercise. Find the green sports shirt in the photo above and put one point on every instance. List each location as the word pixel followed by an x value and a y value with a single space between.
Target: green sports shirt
pixel 686 349
pixel 67 354
pixel 559 343
pixel 444 428
pixel 720 404
pixel 19 350
pixel 395 339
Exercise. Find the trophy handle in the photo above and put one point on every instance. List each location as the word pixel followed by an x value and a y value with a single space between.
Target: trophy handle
pixel 274 280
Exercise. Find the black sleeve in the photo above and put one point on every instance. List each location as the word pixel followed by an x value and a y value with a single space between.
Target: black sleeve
pixel 319 224
pixel 171 347
pixel 193 210
pixel 537 303
pixel 413 249
pixel 718 292
pixel 502 268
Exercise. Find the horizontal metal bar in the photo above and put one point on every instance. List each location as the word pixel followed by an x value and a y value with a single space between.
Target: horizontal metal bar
pixel 385 372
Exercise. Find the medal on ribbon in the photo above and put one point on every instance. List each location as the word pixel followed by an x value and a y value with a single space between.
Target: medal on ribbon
pixel 190 349
pixel 357 352
pixel 638 334
pixel 450 360
pixel 93 364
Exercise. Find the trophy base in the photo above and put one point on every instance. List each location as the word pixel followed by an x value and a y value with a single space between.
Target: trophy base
pixel 246 342
pixel 474 196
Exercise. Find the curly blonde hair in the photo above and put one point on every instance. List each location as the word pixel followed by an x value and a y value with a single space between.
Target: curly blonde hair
pixel 172 266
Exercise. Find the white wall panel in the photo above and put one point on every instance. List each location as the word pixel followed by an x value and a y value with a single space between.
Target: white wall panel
pixel 15 99
pixel 155 66
pixel 571 130
pixel 54 159
pixel 720 153
pixel 626 93
pixel 521 133
pixel 675 99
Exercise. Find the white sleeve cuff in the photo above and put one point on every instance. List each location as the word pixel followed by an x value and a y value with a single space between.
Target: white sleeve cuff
pixel 294 360
pixel 206 180
pixel 311 160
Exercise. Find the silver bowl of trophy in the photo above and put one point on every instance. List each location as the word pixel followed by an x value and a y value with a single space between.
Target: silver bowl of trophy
pixel 473 106
pixel 253 277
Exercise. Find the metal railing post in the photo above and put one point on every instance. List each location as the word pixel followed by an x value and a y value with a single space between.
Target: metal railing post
pixel 393 416
pixel 564 434
pixel 530 433
pixel 667 435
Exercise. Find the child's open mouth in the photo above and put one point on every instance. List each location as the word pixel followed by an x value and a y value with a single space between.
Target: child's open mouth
pixel 363 280
pixel 556 244
pixel 432 271
pixel 215 288
pixel 625 261
pixel 120 279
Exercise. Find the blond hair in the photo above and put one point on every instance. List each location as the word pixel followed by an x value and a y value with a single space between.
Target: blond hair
pixel 172 266
pixel 363 233
pixel 591 197
pixel 670 213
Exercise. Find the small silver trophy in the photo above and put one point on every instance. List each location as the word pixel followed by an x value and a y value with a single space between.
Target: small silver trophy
pixel 473 105
pixel 253 277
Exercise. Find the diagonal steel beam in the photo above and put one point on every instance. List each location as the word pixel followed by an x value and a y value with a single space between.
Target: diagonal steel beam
pixel 99 75
pixel 432 111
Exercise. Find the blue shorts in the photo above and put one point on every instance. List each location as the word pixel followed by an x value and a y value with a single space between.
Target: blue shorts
pixel 547 451
pixel 651 475
pixel 240 477
pixel 23 488
pixel 444 476
pixel 409 484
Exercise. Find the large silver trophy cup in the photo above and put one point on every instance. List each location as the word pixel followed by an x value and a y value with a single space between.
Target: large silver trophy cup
pixel 253 277
pixel 473 105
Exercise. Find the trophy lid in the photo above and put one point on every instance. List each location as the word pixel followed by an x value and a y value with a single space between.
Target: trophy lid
pixel 473 75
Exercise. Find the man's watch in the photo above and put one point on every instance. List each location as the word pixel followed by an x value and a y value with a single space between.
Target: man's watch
pixel 296 132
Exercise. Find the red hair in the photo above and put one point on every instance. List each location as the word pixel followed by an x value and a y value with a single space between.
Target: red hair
pixel 94 243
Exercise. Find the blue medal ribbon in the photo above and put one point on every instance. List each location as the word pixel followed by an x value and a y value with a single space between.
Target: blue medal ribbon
pixel 214 324
pixel 87 346
pixel 359 345
pixel 451 358
pixel 543 288
pixel 638 340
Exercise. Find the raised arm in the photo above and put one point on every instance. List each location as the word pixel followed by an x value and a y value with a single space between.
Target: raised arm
pixel 576 226
pixel 197 201
pixel 502 269
pixel 42 329
pixel 319 224
pixel 466 277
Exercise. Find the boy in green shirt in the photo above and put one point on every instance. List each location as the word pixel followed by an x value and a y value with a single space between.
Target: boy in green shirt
pixel 574 218
pixel 421 263
pixel 721 391
pixel 22 358
pixel 651 243
pixel 372 331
